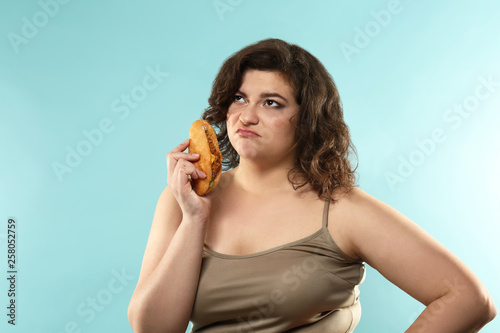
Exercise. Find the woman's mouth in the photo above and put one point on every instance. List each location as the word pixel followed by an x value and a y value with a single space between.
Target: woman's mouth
pixel 245 132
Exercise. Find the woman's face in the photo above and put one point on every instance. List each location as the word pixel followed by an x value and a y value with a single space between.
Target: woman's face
pixel 261 120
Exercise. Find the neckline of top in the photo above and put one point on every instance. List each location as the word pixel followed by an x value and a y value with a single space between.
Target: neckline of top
pixel 324 227
pixel 260 253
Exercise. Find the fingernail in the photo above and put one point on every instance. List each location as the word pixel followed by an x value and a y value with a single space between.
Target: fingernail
pixel 196 155
pixel 185 141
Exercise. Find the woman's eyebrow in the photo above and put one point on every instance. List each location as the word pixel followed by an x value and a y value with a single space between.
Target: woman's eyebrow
pixel 264 95
pixel 239 92
pixel 272 94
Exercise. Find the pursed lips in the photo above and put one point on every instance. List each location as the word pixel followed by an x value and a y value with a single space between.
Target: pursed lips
pixel 245 132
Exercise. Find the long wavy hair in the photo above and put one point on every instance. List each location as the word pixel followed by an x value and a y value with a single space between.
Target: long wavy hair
pixel 323 142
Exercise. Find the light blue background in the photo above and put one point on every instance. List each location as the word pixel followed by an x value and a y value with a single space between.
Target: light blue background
pixel 76 233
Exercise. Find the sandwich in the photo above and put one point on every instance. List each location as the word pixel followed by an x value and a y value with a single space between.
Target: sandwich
pixel 203 141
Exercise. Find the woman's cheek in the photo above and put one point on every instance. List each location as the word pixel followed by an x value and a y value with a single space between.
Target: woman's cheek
pixel 230 114
pixel 281 125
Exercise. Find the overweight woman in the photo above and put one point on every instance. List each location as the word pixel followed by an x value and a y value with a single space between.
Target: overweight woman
pixel 281 244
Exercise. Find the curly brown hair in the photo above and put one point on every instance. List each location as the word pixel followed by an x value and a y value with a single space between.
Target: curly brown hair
pixel 323 140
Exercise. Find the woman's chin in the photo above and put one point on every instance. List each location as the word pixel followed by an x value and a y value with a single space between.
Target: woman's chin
pixel 246 150
pixel 248 154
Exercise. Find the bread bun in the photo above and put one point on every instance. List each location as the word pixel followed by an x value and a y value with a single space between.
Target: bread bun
pixel 203 141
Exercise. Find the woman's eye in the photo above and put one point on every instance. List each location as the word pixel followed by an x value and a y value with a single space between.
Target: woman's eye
pixel 238 98
pixel 270 102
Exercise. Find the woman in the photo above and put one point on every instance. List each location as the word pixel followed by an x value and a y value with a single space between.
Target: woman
pixel 280 244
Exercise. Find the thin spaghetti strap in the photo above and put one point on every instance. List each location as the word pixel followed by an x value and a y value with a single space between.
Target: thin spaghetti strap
pixel 325 212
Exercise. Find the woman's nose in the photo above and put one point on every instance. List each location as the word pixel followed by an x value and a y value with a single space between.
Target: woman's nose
pixel 249 115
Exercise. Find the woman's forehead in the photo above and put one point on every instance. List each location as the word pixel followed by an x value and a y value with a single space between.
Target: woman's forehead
pixel 274 80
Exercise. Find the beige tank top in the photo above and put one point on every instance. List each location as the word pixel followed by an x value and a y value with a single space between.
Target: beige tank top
pixel 308 285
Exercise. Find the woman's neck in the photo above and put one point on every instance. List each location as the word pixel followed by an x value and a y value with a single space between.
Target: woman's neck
pixel 258 178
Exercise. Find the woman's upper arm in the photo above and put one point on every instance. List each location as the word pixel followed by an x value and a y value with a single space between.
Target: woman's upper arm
pixel 166 220
pixel 404 253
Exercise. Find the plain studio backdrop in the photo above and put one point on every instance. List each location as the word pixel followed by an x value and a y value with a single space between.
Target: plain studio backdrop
pixel 94 95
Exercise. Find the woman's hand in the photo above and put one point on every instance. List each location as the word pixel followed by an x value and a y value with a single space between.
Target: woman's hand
pixel 180 172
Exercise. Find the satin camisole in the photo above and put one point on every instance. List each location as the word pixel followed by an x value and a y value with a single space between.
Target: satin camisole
pixel 308 285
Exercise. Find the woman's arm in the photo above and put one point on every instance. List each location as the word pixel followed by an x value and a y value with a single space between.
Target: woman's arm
pixel 165 292
pixel 456 300
pixel 166 289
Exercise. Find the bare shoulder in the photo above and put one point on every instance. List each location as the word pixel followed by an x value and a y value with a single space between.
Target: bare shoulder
pixel 374 230
pixel 362 204
pixel 355 213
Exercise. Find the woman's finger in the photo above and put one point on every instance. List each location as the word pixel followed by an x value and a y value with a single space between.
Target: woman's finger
pixel 177 153
pixel 179 176
pixel 190 169
pixel 181 147
pixel 174 158
pixel 186 156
